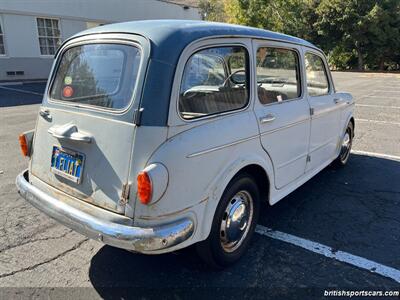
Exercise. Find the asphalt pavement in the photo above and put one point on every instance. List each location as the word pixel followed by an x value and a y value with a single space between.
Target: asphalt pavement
pixel 355 210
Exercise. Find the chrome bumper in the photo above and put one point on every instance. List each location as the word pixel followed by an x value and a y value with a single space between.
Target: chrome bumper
pixel 109 231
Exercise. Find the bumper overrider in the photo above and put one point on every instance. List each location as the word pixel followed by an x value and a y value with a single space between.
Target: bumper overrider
pixel 108 231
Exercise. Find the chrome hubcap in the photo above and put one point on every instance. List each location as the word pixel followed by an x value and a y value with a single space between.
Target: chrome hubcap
pixel 236 221
pixel 346 145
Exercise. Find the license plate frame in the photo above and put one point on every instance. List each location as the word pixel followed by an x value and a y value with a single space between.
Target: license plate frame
pixel 69 170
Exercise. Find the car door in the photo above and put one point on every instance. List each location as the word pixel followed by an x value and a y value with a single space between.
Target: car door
pixel 85 131
pixel 325 112
pixel 282 110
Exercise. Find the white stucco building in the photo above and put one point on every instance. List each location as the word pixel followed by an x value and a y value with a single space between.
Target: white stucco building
pixel 31 30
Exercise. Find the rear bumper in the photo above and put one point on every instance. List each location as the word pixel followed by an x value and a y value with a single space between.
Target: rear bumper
pixel 107 230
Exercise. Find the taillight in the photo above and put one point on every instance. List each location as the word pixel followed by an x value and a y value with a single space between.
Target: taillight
pixel 144 187
pixel 24 144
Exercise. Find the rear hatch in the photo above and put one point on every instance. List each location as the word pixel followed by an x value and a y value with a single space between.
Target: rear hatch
pixel 85 131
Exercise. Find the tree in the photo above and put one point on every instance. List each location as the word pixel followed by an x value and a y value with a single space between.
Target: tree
pixel 352 32
pixel 212 10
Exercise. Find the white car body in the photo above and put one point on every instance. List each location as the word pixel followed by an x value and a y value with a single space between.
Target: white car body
pixel 190 162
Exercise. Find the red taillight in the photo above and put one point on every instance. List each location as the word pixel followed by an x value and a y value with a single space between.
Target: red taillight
pixel 23 144
pixel 144 187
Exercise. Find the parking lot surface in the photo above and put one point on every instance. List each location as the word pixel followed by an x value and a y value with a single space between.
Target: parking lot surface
pixel 21 93
pixel 355 210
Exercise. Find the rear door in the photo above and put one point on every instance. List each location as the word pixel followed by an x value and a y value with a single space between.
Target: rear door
pixel 325 119
pixel 282 109
pixel 85 131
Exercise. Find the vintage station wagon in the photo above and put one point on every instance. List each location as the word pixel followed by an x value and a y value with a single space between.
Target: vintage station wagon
pixel 156 135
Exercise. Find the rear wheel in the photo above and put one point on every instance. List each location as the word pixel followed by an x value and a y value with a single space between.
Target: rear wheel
pixel 233 225
pixel 345 148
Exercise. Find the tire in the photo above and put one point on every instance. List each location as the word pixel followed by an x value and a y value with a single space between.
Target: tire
pixel 345 148
pixel 228 241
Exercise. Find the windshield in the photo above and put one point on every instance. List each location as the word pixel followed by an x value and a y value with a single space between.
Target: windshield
pixel 97 74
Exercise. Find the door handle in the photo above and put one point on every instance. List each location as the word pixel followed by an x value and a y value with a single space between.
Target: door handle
pixel 337 100
pixel 267 118
pixel 340 100
pixel 70 132
pixel 45 113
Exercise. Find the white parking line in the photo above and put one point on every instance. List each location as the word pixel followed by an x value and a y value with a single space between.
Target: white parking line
pixel 374 154
pixel 378 122
pixel 377 106
pixel 327 251
pixel 21 91
pixel 381 97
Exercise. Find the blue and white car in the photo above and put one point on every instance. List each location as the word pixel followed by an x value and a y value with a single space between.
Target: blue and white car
pixel 156 135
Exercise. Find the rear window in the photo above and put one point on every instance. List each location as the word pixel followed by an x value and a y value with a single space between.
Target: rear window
pixel 101 75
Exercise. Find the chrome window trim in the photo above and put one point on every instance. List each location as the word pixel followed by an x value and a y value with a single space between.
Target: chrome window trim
pixel 101 40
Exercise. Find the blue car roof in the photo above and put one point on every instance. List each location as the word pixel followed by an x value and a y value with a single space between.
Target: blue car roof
pixel 168 38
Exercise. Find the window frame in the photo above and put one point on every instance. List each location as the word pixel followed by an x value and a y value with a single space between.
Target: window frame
pixel 63 49
pixel 299 73
pixel 327 74
pixel 184 59
pixel 4 39
pixel 53 37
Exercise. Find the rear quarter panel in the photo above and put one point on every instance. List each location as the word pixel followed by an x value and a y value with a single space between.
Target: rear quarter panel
pixel 200 162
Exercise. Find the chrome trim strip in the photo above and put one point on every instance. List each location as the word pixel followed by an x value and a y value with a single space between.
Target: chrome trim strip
pixel 222 146
pixel 285 127
pixel 243 140
pixel 79 218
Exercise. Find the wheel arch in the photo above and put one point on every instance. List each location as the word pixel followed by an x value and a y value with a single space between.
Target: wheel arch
pixel 260 176
pixel 259 168
pixel 353 122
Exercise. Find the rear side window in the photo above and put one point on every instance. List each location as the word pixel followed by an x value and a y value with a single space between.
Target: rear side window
pixel 317 79
pixel 102 75
pixel 277 75
pixel 215 80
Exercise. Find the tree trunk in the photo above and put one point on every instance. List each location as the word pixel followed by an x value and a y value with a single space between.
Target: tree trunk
pixel 381 64
pixel 360 60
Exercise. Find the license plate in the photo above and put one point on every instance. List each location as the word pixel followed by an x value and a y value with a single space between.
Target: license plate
pixel 67 163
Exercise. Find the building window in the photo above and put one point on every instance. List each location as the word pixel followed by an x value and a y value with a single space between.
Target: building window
pixel 49 35
pixel 2 48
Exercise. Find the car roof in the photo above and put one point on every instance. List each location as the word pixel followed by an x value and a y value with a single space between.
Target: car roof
pixel 170 37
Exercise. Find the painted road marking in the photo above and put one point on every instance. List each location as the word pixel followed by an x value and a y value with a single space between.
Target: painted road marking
pixel 374 154
pixel 378 122
pixel 327 251
pixel 381 97
pixel 21 91
pixel 377 106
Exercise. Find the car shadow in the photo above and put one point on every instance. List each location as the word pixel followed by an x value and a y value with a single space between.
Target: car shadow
pixel 334 208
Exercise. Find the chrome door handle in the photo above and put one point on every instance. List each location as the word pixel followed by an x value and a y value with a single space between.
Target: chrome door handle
pixel 70 132
pixel 45 113
pixel 337 100
pixel 267 118
pixel 340 100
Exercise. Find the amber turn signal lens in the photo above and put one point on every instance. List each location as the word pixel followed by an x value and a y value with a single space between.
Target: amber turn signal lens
pixel 23 144
pixel 144 187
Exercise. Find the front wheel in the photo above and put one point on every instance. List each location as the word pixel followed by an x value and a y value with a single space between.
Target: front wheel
pixel 345 148
pixel 233 225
